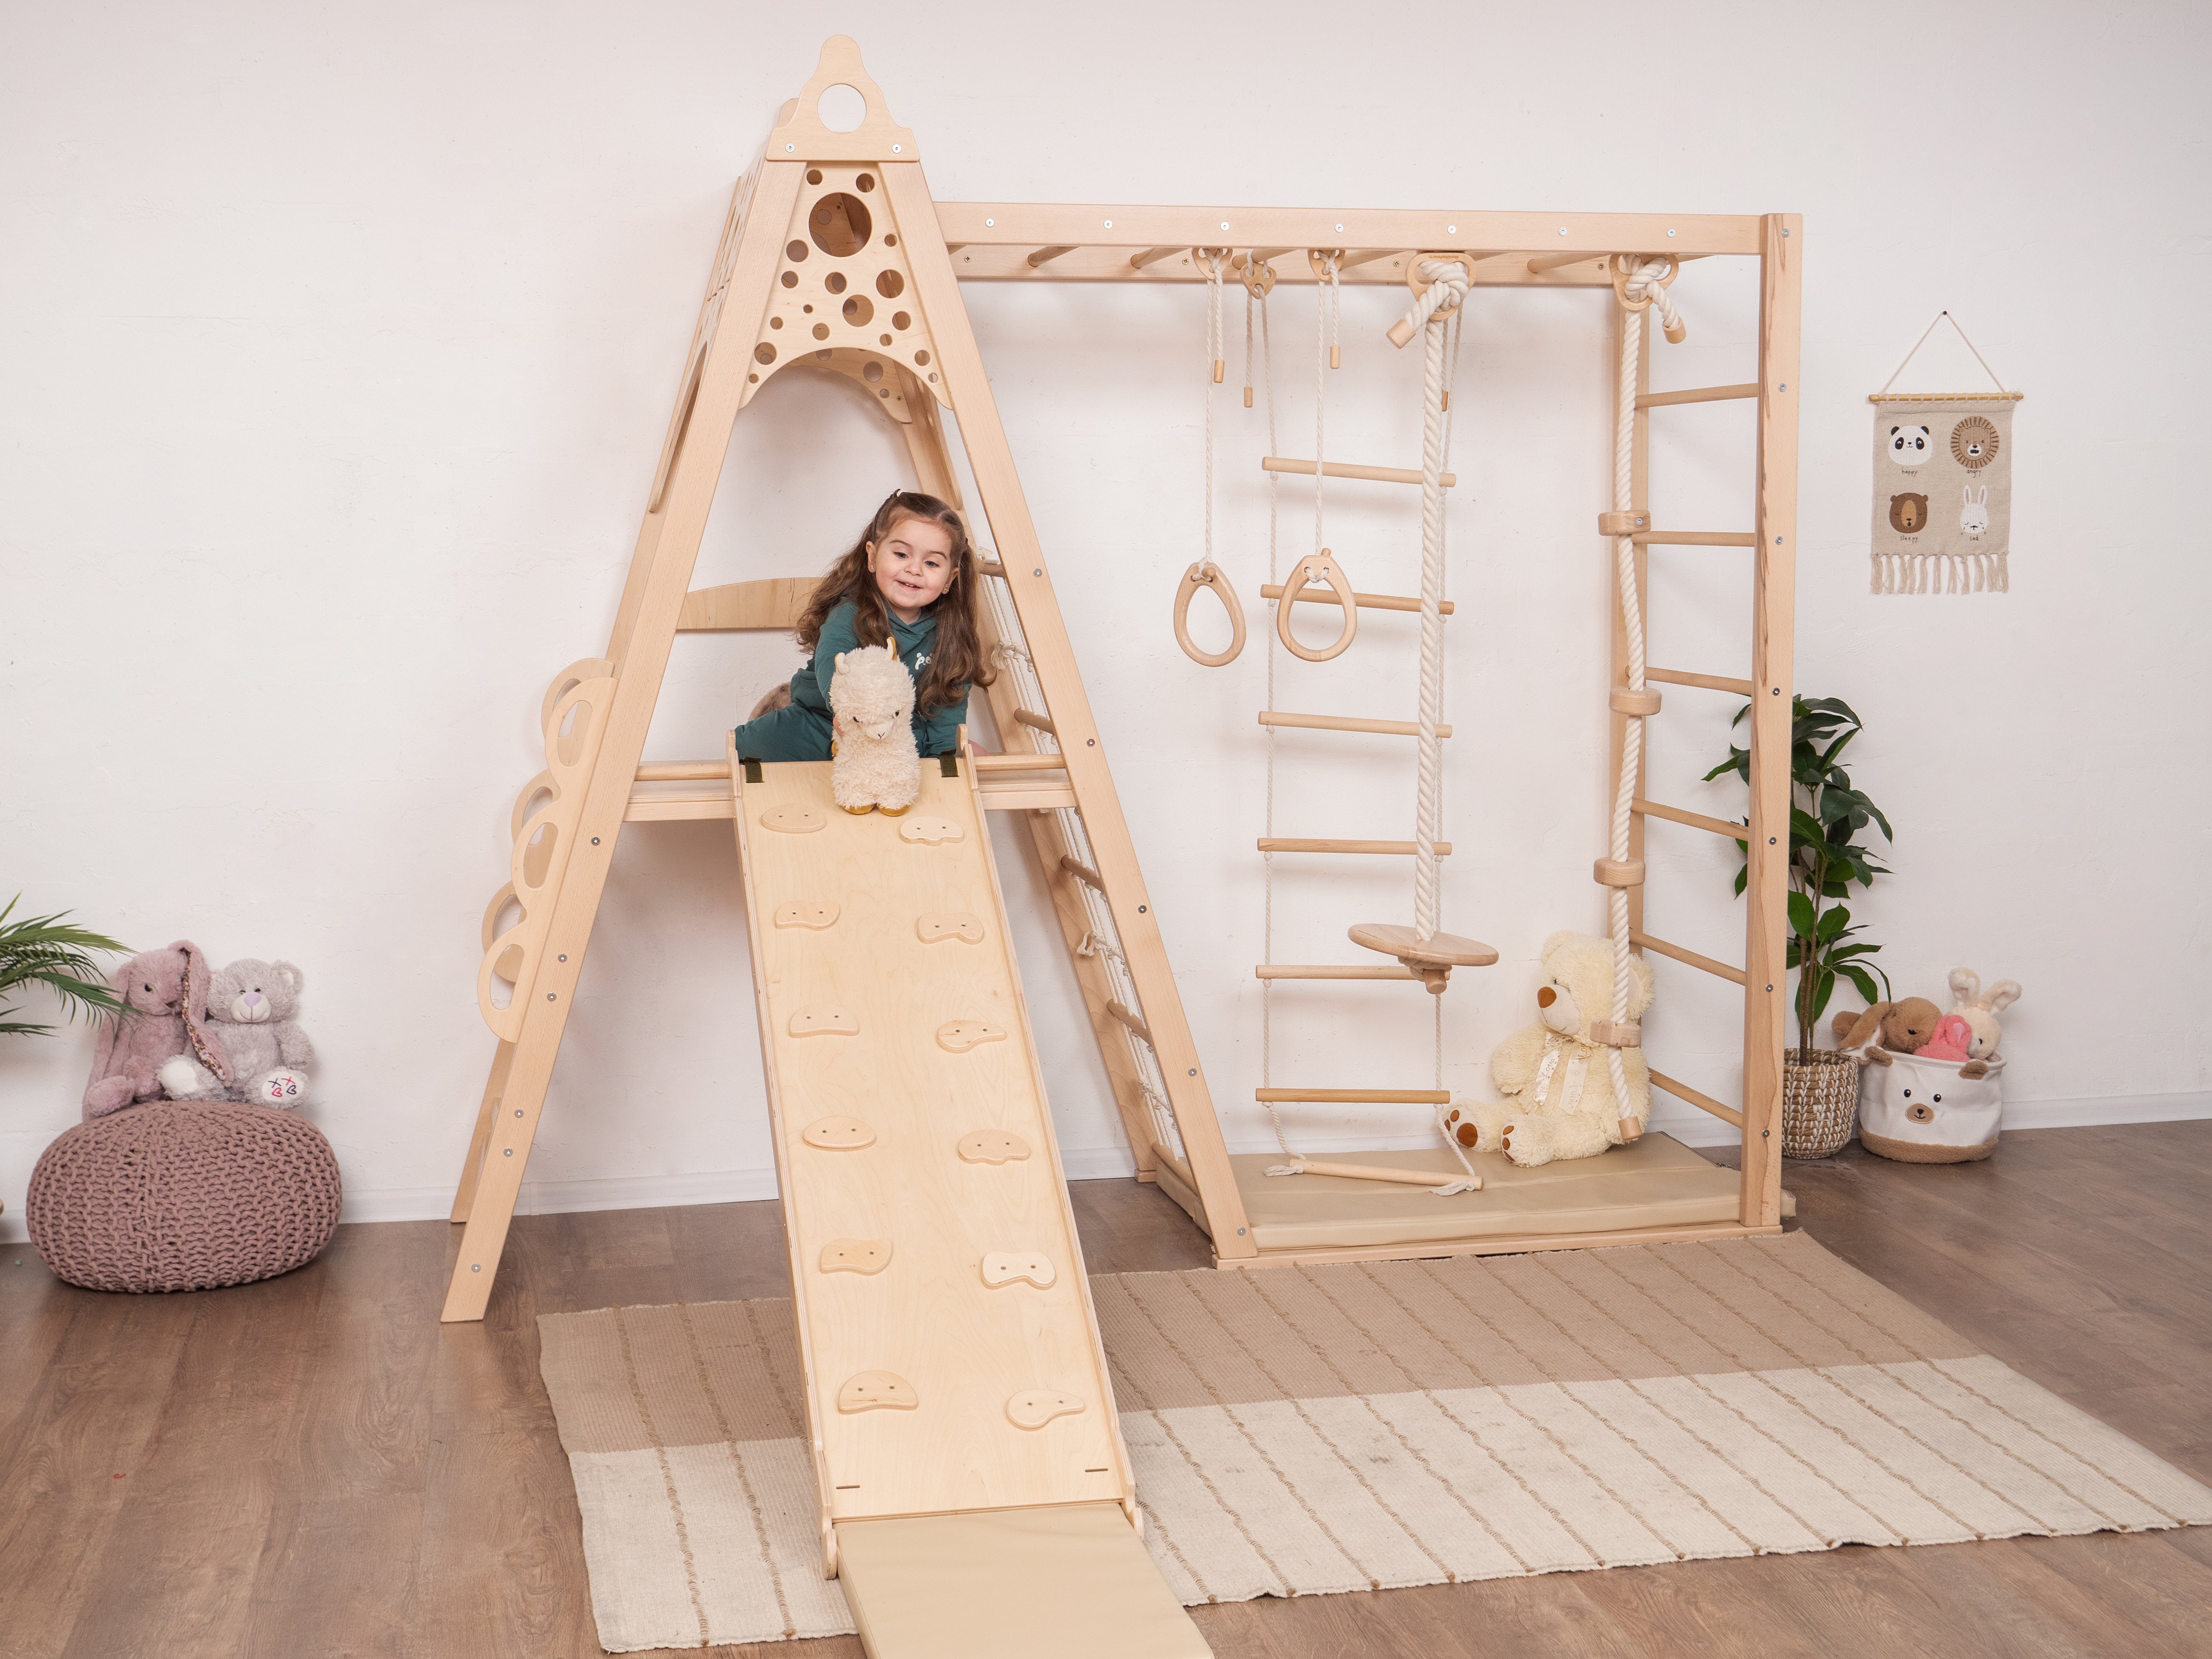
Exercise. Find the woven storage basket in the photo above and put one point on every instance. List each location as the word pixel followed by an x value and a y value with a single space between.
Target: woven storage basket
pixel 178 1196
pixel 1820 1102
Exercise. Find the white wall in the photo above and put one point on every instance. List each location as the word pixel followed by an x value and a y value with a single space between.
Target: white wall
pixel 336 347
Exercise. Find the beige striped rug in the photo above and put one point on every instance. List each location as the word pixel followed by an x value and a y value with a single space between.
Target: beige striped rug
pixel 1305 1432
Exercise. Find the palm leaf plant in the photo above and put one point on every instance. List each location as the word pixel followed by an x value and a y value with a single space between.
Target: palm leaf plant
pixel 51 951
pixel 1827 812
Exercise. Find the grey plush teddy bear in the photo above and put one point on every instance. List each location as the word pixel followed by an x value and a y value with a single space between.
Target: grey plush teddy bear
pixel 251 1005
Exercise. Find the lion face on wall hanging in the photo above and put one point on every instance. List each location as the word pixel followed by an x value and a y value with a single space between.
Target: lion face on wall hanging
pixel 1908 514
pixel 1974 443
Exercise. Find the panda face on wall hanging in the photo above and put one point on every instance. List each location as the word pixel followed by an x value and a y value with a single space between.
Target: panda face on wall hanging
pixel 1909 446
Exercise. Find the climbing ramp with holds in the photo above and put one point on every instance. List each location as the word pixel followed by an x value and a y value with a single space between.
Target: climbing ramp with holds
pixel 951 1360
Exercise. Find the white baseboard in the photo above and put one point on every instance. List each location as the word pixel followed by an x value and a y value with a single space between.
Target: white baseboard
pixel 1686 1124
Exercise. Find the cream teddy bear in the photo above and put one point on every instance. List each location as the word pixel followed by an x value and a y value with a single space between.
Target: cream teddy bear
pixel 1557 1077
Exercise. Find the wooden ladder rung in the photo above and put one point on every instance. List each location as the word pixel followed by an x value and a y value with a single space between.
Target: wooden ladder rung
pixel 990 567
pixel 1081 873
pixel 1045 256
pixel 1024 797
pixel 1708 682
pixel 1291 844
pixel 1036 722
pixel 1345 723
pixel 673 805
pixel 1703 394
pixel 1019 761
pixel 1330 970
pixel 1652 809
pixel 1355 1096
pixel 1696 537
pixel 1136 1026
pixel 1706 1103
pixel 1645 941
pixel 682 771
pixel 1365 601
pixel 1350 470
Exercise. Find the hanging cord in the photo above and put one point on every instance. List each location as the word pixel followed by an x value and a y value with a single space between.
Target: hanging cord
pixel 1214 369
pixel 1328 312
pixel 1643 284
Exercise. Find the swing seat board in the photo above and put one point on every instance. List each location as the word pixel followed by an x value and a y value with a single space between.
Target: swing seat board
pixel 1073 1583
pixel 889 998
pixel 1655 1183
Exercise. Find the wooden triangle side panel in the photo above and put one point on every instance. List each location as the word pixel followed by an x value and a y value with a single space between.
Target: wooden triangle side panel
pixel 967 392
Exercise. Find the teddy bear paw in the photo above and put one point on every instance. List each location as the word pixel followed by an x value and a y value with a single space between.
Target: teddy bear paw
pixel 282 1087
pixel 1528 1143
pixel 183 1078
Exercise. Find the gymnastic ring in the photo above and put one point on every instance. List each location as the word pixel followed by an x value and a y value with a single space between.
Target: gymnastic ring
pixel 1208 575
pixel 1623 266
pixel 1318 567
pixel 1420 285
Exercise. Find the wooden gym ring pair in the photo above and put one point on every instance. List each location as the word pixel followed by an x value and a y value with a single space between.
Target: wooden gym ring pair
pixel 1316 568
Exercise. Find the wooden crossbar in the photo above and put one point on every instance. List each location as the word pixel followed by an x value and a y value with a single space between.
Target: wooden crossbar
pixel 1022 798
pixel 1329 970
pixel 1365 601
pixel 1019 761
pixel 1350 470
pixel 1695 538
pixel 1644 941
pixel 682 771
pixel 1294 844
pixel 1354 1097
pixel 1346 723
pixel 1703 1102
pixel 1703 394
pixel 1652 809
pixel 1707 682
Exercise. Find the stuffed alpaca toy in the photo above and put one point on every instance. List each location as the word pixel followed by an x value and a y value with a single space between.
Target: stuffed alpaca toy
pixel 165 994
pixel 251 1005
pixel 873 761
pixel 1886 1028
pixel 1557 1076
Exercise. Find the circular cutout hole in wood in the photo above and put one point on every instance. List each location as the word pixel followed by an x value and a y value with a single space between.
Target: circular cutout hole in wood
pixel 901 320
pixel 835 281
pixel 791 279
pixel 840 225
pixel 858 310
pixel 794 251
pixel 890 285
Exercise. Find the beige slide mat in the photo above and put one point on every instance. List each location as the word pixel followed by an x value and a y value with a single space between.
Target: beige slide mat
pixel 1074 1582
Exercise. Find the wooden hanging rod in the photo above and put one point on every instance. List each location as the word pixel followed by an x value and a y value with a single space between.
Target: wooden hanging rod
pixel 1345 723
pixel 1355 1096
pixel 1703 394
pixel 1353 261
pixel 1684 1092
pixel 1946 396
pixel 1348 469
pixel 1696 537
pixel 1136 227
pixel 1152 256
pixel 1652 809
pixel 1365 601
pixel 1330 970
pixel 1313 1166
pixel 1286 844
pixel 1706 682
pixel 1045 256
pixel 1645 941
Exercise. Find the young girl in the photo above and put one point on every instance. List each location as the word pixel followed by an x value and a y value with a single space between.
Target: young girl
pixel 909 581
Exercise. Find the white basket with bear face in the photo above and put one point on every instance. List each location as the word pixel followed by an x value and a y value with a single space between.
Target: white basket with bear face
pixel 1921 1111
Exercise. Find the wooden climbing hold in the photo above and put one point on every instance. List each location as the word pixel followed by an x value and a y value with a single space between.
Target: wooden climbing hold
pixel 1018 1268
pixel 1622 524
pixel 794 820
pixel 1617 1035
pixel 950 924
pixel 992 1146
pixel 1318 567
pixel 1033 1408
pixel 1618 872
pixel 838 1135
pixel 806 913
pixel 877 1391
pixel 856 1255
pixel 930 831
pixel 1625 701
pixel 823 1022
pixel 962 1035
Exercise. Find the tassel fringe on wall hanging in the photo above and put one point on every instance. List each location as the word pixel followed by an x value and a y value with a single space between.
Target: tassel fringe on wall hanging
pixel 1942 485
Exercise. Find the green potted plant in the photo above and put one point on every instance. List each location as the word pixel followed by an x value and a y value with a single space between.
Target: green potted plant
pixel 1827 812
pixel 49 951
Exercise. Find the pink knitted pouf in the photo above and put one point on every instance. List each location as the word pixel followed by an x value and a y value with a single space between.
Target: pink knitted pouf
pixel 183 1196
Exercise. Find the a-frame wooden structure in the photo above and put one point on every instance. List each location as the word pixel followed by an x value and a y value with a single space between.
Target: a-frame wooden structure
pixel 834 257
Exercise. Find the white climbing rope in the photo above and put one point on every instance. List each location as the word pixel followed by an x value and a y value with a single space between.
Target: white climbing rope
pixel 1642 287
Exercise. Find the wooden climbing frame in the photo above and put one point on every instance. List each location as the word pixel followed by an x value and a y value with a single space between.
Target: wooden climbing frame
pixel 834 257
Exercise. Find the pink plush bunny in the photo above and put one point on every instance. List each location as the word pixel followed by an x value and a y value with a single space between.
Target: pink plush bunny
pixel 165 992
pixel 1948 1041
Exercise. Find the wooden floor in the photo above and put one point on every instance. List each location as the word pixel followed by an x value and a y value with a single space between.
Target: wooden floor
pixel 314 1467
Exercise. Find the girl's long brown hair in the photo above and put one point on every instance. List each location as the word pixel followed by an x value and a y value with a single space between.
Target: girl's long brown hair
pixel 955 661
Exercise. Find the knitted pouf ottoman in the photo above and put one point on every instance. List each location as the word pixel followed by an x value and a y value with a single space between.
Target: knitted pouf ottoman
pixel 183 1196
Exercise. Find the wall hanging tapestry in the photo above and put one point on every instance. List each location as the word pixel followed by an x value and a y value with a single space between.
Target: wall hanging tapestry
pixel 1942 485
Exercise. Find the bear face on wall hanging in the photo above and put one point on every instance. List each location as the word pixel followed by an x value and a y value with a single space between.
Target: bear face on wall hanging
pixel 1942 487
